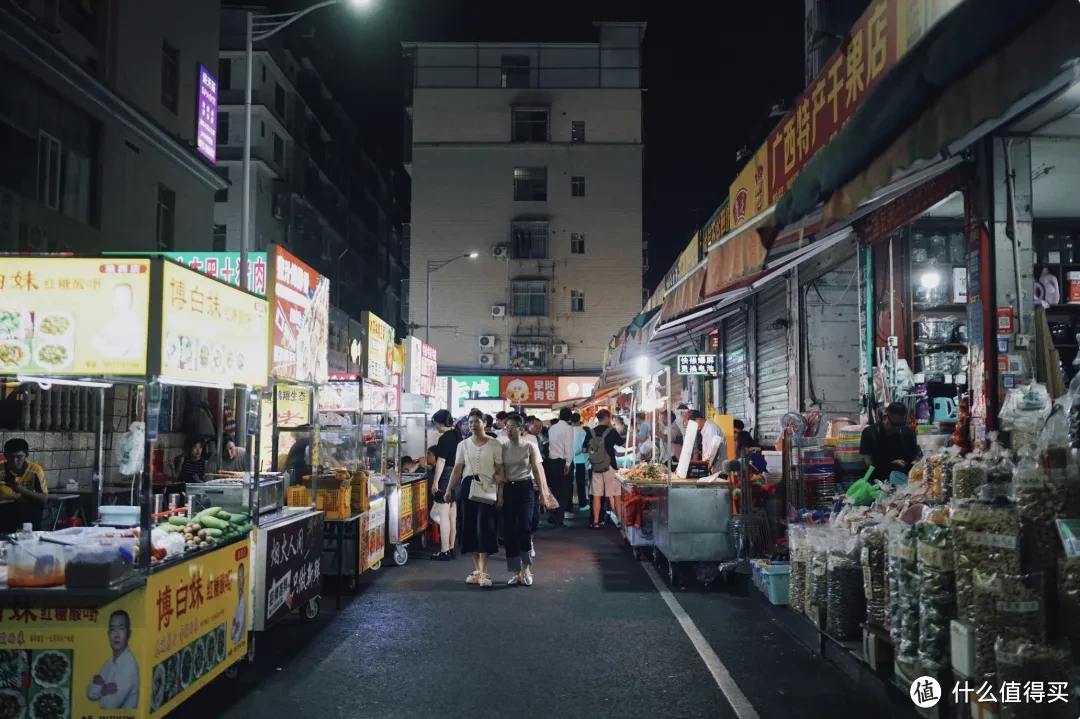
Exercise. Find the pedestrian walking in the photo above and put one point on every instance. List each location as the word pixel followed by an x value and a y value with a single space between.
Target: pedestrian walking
pixel 560 466
pixel 582 470
pixel 444 509
pixel 479 462
pixel 523 489
pixel 600 443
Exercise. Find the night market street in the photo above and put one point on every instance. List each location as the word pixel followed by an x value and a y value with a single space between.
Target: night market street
pixel 592 638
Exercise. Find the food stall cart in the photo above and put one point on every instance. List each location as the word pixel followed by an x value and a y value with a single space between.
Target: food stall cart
pixel 183 602
pixel 407 497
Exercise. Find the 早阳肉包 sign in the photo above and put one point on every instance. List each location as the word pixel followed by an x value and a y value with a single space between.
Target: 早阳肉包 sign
pixel 293 568
pixel 67 316
pixel 141 655
pixel 877 40
pixel 421 367
pixel 377 348
pixel 211 332
pixel 749 195
pixel 206 124
pixel 529 389
pixel 300 304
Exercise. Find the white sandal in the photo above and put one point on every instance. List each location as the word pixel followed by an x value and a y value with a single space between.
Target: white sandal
pixel 527 579
pixel 473 578
pixel 485 580
pixel 514 580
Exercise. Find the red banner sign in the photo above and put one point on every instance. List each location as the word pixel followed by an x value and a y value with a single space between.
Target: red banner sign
pixel 864 57
pixel 890 217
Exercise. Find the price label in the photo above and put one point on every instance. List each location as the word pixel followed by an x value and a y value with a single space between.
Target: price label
pixel 1025 607
pixel 990 539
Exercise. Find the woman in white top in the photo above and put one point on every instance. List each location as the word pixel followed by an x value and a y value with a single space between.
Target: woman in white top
pixel 521 466
pixel 479 460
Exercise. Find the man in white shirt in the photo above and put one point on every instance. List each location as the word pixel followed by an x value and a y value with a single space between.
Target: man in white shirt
pixel 711 446
pixel 560 465
pixel 116 685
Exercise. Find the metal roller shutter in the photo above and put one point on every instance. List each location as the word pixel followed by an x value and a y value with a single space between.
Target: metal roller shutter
pixel 772 361
pixel 736 368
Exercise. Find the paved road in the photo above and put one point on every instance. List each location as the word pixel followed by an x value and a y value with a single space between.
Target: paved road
pixel 592 638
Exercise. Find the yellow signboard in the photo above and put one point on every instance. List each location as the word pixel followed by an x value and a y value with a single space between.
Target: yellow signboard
pixel 73 316
pixel 749 194
pixel 293 410
pixel 139 656
pixel 211 332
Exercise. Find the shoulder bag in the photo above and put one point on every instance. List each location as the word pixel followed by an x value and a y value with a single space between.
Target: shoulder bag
pixel 482 489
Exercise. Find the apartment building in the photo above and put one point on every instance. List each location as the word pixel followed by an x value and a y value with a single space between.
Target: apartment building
pixel 98 119
pixel 530 156
pixel 313 190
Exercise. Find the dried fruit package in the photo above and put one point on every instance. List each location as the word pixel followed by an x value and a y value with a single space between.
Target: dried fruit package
pixel 846 601
pixel 937 591
pixel 1007 606
pixel 985 538
pixel 875 576
pixel 1021 664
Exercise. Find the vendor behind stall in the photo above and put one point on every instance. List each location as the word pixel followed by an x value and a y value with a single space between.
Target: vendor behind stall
pixel 890 445
pixel 25 493
pixel 190 467
pixel 231 458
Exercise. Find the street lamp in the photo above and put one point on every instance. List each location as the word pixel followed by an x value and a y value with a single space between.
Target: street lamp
pixel 258 29
pixel 432 267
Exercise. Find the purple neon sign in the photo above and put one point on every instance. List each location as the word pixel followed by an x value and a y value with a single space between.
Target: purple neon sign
pixel 206 131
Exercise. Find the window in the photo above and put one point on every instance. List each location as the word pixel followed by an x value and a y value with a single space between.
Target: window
pixel 577 185
pixel 166 218
pixel 530 298
pixel 262 128
pixel 530 184
pixel 577 243
pixel 170 76
pixel 577 301
pixel 279 99
pixel 48 174
pixel 279 150
pixel 223 128
pixel 75 184
pixel 529 353
pixel 515 71
pixel 529 240
pixel 530 124
pixel 224 73
pixel 577 131
pixel 221 235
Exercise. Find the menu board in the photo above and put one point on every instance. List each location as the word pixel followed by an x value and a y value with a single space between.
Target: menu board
pixel 378 348
pixel 293 566
pixel 211 332
pixel 73 316
pixel 300 303
pixel 422 364
pixel 339 397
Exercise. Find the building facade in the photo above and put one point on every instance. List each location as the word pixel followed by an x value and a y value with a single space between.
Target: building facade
pixel 529 156
pixel 98 118
pixel 313 190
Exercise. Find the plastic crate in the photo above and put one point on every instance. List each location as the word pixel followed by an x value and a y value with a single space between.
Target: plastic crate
pixel 337 503
pixel 776 578
pixel 298 496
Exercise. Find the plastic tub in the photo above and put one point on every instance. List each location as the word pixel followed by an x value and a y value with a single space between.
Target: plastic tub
pixel 776 578
pixel 119 515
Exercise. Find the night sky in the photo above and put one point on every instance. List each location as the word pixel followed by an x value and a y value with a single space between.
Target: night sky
pixel 710 78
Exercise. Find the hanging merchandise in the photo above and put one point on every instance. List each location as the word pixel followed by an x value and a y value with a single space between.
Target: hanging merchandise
pixel 130 449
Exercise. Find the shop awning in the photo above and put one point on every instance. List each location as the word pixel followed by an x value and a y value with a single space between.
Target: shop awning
pixel 685 296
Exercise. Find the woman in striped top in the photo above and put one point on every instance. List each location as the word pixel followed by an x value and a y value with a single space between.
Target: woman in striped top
pixel 191 466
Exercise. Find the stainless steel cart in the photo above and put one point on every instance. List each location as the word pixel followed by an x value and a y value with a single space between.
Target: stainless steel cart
pixel 691 524
pixel 640 537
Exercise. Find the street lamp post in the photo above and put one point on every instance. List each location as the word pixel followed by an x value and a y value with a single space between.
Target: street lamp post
pixel 432 267
pixel 258 29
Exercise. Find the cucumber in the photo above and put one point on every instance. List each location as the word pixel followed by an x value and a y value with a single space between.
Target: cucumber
pixel 224 515
pixel 215 533
pixel 212 522
pixel 237 519
pixel 177 521
pixel 243 529
pixel 212 511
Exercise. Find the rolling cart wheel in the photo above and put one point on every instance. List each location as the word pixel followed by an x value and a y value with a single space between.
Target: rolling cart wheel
pixel 401 555
pixel 351 583
pixel 250 656
pixel 423 540
pixel 673 573
pixel 637 554
pixel 376 566
pixel 233 672
pixel 311 609
pixel 655 555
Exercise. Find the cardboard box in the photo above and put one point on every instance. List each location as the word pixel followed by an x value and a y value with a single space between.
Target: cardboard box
pixel 877 651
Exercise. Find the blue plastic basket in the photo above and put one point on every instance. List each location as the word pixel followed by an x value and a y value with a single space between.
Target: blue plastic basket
pixel 777 577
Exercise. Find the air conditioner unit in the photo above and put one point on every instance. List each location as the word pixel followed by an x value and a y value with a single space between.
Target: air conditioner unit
pixel 487 359
pixel 498 310
pixel 487 342
pixel 560 349
pixel 501 252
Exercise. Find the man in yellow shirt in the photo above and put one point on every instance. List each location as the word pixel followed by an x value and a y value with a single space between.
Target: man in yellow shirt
pixel 24 494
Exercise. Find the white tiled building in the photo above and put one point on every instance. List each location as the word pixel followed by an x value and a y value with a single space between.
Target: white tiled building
pixel 531 156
